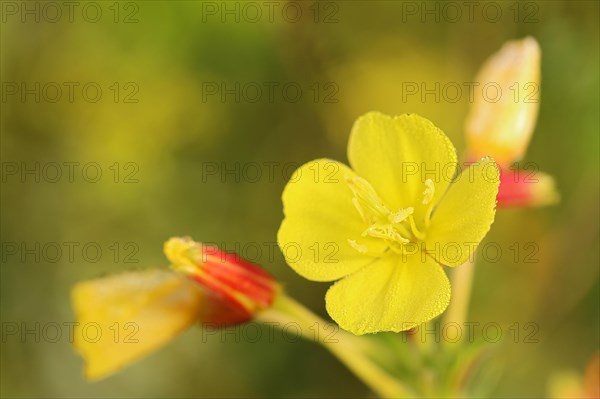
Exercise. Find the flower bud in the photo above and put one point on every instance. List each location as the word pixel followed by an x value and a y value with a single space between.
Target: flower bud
pixel 500 125
pixel 242 285
pixel 151 307
pixel 526 188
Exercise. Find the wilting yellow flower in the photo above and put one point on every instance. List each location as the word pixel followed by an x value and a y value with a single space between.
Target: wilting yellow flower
pixel 384 227
pixel 123 317
pixel 501 121
pixel 126 316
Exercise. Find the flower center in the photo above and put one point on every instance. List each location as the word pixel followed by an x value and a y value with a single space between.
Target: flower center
pixel 395 227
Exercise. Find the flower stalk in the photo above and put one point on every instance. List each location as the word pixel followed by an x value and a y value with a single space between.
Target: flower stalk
pixel 462 282
pixel 349 349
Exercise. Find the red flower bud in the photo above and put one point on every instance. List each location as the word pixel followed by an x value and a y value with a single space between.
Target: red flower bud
pixel 526 188
pixel 241 285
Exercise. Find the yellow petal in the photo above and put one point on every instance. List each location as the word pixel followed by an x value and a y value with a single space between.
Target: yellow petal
pixel 464 216
pixel 124 317
pixel 320 218
pixel 392 294
pixel 398 154
pixel 500 124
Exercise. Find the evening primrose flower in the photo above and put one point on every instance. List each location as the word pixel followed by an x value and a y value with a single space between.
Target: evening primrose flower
pixel 124 317
pixel 384 227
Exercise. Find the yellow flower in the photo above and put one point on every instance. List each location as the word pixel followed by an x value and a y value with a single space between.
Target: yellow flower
pixel 384 227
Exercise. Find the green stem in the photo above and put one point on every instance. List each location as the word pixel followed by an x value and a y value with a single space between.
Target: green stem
pixel 462 281
pixel 348 348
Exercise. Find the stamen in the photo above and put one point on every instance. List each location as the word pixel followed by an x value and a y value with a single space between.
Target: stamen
pixel 401 215
pixel 428 199
pixel 387 232
pixel 429 191
pixel 414 229
pixel 360 210
pixel 366 196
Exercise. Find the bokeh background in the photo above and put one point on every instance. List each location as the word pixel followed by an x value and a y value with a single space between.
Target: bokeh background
pixel 166 135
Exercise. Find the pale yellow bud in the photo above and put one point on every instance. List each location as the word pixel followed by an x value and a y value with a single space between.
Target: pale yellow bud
pixel 504 111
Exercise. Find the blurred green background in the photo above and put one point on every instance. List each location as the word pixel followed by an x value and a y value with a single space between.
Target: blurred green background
pixel 159 126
